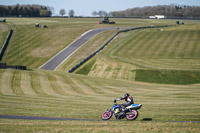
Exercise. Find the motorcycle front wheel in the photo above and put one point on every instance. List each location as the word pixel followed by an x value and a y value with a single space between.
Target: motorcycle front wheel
pixel 132 115
pixel 106 115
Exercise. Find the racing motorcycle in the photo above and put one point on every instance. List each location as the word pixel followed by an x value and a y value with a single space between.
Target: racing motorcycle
pixel 129 112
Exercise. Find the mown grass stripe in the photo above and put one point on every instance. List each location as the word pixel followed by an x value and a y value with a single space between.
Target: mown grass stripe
pixel 20 47
pixel 15 84
pixel 23 47
pixel 157 42
pixel 165 44
pixel 180 45
pixel 27 44
pixel 130 44
pixel 196 49
pixel 90 89
pixel 115 72
pixel 166 64
pixel 46 85
pixel 124 72
pixel 83 89
pixel 183 50
pixel 173 46
pixel 65 88
pixel 72 85
pixel 6 80
pixel 143 43
pixel 26 84
pixel 55 84
pixel 118 49
pixel 146 47
pixel 35 84
pixel 127 39
pixel 22 35
pixel 1 73
pixel 101 69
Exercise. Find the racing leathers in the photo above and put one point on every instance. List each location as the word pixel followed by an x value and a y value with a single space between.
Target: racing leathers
pixel 128 99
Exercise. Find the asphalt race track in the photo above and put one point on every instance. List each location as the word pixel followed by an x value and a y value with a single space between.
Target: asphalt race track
pixel 55 61
pixel 70 119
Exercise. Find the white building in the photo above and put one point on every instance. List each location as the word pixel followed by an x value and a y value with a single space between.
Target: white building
pixel 152 17
pixel 157 17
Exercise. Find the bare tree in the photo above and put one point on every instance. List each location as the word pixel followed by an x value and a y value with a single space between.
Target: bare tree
pixel 51 9
pixel 62 12
pixel 103 13
pixel 95 13
pixel 71 13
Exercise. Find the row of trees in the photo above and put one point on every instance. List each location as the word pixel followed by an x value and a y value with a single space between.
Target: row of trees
pixel 167 10
pixel 100 13
pixel 63 12
pixel 25 11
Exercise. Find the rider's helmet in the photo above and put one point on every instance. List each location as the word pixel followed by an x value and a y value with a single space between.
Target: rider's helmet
pixel 126 95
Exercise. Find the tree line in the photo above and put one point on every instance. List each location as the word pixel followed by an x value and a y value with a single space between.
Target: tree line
pixel 167 10
pixel 25 11
pixel 63 12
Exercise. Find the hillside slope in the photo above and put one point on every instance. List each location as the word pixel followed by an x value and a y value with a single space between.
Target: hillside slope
pixel 54 94
pixel 32 47
pixel 174 50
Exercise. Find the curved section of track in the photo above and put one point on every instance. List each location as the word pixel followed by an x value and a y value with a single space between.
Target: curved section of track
pixel 59 58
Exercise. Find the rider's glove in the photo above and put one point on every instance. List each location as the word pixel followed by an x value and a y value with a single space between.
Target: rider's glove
pixel 115 101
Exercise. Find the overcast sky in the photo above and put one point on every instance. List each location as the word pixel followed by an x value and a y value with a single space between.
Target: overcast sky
pixel 86 7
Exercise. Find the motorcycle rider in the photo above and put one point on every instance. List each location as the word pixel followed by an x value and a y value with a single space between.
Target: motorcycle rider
pixel 129 101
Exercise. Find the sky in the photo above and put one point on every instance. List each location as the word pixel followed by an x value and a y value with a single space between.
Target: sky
pixel 86 7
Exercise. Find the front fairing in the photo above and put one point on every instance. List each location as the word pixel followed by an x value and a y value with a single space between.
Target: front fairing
pixel 115 106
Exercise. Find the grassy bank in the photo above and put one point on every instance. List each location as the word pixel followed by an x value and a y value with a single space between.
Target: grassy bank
pixel 11 126
pixel 3 33
pixel 171 49
pixel 55 94
pixel 38 45
pixel 168 76
pixel 108 76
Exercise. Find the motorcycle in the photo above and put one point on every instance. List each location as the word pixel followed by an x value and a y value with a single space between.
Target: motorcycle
pixel 129 112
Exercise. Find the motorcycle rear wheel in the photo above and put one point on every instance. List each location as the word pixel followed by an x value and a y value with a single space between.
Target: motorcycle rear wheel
pixel 132 115
pixel 106 115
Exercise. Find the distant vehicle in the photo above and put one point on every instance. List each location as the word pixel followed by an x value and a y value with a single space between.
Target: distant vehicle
pixel 3 20
pixel 37 25
pixel 130 113
pixel 106 21
pixel 179 23
pixel 44 26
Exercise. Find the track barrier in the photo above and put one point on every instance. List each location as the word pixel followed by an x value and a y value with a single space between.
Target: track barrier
pixel 5 44
pixel 99 50
pixel 3 49
pixel 4 66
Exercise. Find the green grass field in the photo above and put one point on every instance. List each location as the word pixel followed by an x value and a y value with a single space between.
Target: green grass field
pixel 39 45
pixel 151 49
pixel 54 94
pixel 3 33
pixel 85 94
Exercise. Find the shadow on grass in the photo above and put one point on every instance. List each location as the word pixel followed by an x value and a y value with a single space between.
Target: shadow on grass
pixel 147 119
